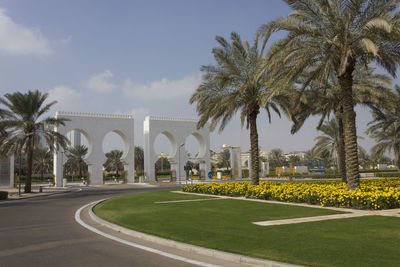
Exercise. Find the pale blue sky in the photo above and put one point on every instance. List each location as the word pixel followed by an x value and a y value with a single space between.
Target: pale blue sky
pixel 139 57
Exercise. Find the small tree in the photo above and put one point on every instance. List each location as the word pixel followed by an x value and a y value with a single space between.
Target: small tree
pixel 114 162
pixel 139 158
pixel 76 159
pixel 42 161
pixel 224 159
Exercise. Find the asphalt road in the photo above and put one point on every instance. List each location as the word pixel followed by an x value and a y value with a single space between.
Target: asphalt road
pixel 42 232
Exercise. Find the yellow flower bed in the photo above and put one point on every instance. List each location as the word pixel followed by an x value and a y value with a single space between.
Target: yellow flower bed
pixel 373 194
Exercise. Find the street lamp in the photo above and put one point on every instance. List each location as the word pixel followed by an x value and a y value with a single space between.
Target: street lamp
pixel 179 161
pixel 19 172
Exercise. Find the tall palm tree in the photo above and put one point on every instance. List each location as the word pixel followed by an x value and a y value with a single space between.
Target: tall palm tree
pixel 76 158
pixel 238 82
pixel 328 36
pixel 139 158
pixel 22 125
pixel 42 161
pixel 114 162
pixel 369 89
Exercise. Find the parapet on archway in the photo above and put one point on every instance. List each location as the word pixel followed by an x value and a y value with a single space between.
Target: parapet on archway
pixel 95 127
pixel 176 130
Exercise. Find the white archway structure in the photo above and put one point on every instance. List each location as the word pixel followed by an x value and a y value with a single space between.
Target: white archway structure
pixel 176 130
pixel 95 127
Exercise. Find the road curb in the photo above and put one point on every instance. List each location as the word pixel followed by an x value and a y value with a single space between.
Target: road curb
pixel 186 247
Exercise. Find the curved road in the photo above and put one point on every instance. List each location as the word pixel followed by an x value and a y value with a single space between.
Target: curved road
pixel 42 232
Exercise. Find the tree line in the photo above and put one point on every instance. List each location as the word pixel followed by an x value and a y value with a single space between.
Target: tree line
pixel 325 64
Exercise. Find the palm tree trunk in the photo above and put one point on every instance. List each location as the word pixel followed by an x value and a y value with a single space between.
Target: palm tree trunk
pixel 29 162
pixel 349 123
pixel 254 147
pixel 341 148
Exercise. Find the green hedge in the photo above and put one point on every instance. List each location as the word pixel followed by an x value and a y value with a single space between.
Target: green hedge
pixel 112 175
pixel 3 195
pixel 375 170
pixel 163 173
pixel 387 174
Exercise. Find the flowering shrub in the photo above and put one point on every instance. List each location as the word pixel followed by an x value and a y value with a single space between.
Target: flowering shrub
pixel 373 194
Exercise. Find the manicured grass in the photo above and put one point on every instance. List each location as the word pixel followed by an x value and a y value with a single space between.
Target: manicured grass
pixel 226 225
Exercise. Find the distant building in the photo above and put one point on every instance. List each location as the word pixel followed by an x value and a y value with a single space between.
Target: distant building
pixel 162 155
pixel 300 154
pixel 246 155
pixel 74 138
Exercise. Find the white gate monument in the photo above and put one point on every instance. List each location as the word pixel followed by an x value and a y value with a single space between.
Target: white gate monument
pixel 95 127
pixel 176 130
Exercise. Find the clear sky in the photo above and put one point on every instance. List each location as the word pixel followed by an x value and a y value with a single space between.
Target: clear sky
pixel 135 57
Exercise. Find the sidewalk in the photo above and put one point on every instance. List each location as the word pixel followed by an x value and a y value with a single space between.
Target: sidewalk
pixel 46 191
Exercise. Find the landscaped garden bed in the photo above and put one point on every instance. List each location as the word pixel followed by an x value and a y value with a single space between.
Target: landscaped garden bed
pixel 374 194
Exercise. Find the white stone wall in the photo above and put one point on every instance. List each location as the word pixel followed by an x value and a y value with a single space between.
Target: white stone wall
pixel 95 127
pixel 176 130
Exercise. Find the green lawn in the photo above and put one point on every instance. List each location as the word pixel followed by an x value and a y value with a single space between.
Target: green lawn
pixel 226 225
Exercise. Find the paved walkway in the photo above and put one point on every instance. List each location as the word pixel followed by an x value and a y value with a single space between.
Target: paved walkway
pixel 350 213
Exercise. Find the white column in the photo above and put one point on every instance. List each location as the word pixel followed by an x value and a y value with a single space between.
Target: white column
pixel 96 174
pixel 130 173
pixel 57 169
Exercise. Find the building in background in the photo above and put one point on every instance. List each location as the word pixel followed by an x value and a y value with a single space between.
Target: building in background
pixel 300 154
pixel 6 172
pixel 74 138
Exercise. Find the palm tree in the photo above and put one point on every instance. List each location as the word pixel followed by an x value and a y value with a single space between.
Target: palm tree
pixel 387 140
pixel 76 158
pixel 369 89
pixel 114 162
pixel 224 159
pixel 385 129
pixel 238 82
pixel 162 164
pixel 23 125
pixel 366 161
pixel 42 161
pixel 139 158
pixel 330 36
pixel 328 143
pixel 276 158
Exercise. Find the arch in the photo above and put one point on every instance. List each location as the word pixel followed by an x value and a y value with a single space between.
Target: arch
pixel 202 145
pixel 85 134
pixel 176 130
pixel 124 139
pixel 172 143
pixel 95 127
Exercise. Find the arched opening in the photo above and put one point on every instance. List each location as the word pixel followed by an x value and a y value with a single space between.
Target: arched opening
pixel 75 167
pixel 115 149
pixel 192 150
pixel 164 147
